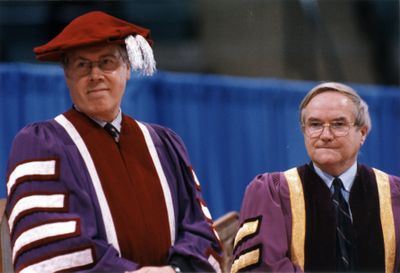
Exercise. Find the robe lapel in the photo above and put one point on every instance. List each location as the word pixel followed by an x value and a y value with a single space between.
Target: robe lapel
pixel 320 228
pixel 364 203
pixel 132 189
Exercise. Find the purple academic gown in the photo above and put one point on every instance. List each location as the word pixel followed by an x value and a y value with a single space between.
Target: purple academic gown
pixel 66 214
pixel 287 223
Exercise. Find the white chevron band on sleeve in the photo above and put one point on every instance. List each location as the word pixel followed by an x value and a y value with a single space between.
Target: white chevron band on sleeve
pixel 46 167
pixel 164 183
pixel 40 201
pixel 215 264
pixel 216 234
pixel 62 262
pixel 196 180
pixel 206 211
pixel 42 232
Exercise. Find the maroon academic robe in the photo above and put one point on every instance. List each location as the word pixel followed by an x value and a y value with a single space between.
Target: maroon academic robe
pixel 79 201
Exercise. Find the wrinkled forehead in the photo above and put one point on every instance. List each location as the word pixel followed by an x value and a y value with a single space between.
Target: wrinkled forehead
pixel 331 105
pixel 331 97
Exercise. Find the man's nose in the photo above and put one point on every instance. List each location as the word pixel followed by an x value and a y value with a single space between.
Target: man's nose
pixel 95 71
pixel 326 132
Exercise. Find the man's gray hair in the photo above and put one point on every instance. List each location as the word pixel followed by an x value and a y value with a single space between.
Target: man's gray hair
pixel 363 118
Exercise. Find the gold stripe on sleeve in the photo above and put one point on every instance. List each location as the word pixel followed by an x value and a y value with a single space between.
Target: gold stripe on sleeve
pixel 247 229
pixel 245 260
pixel 298 216
pixel 387 220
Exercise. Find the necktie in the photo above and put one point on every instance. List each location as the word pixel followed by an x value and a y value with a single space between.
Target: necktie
pixel 344 248
pixel 112 131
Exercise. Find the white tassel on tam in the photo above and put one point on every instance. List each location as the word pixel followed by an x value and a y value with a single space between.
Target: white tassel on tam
pixel 148 57
pixel 134 53
pixel 140 55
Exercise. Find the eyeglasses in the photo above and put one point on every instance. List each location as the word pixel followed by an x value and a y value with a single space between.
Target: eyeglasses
pixel 82 67
pixel 314 129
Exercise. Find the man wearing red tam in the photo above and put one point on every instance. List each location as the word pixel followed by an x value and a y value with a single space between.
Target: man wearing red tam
pixel 94 190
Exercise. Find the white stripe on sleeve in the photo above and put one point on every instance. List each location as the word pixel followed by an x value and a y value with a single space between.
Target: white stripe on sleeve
pixel 62 262
pixel 42 232
pixel 35 201
pixel 47 167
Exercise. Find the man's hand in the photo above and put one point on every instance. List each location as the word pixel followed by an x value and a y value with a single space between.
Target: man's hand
pixel 154 269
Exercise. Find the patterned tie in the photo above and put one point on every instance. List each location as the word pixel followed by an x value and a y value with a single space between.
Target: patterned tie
pixel 344 238
pixel 112 131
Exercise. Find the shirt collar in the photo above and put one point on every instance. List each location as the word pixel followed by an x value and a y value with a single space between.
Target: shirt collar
pixel 116 122
pixel 347 177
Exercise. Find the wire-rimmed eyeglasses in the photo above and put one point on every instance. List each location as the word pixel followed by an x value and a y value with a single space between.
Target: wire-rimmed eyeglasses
pixel 82 67
pixel 314 129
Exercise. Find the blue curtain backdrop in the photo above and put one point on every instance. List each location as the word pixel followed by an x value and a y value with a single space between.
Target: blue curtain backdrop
pixel 234 128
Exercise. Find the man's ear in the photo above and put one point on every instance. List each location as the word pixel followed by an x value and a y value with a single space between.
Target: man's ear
pixel 128 71
pixel 364 133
